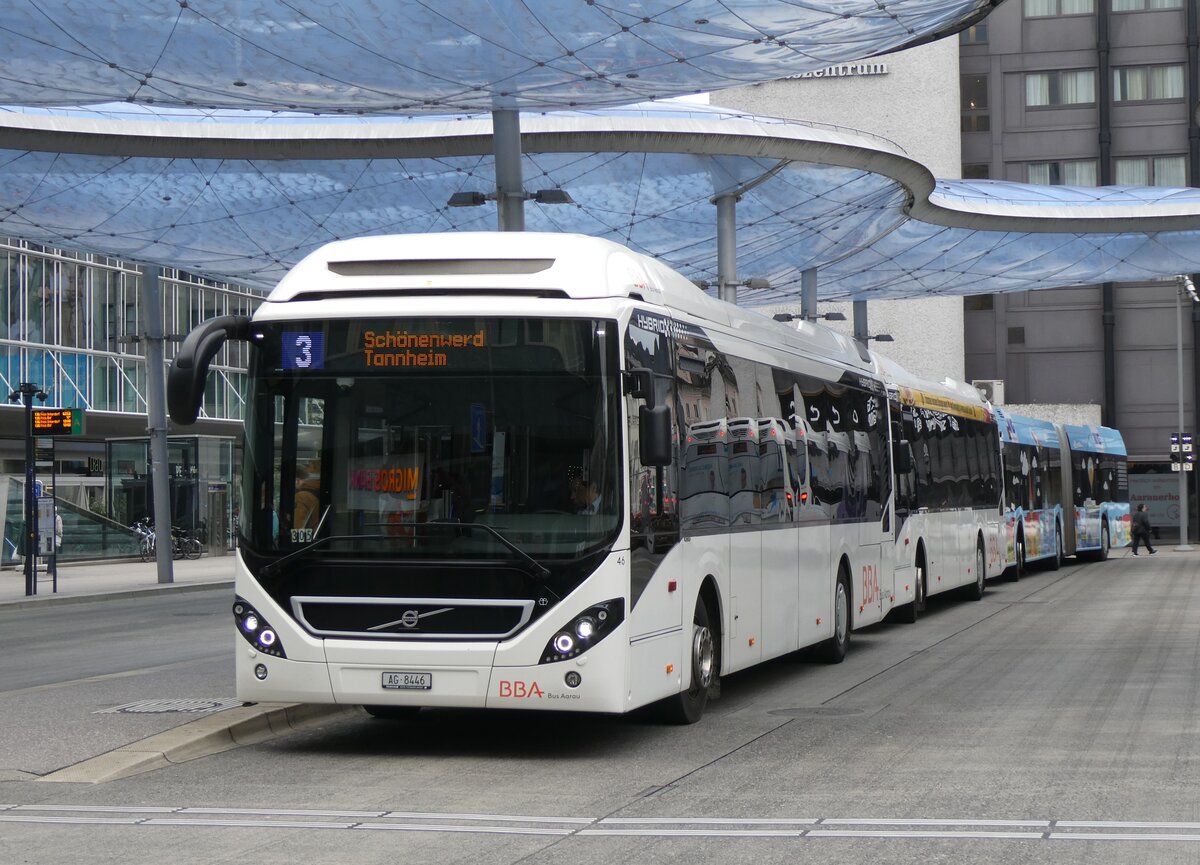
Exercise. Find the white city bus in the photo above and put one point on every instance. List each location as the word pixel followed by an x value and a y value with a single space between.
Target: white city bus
pixel 949 519
pixel 552 473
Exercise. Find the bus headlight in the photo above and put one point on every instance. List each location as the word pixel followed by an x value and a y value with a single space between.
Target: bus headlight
pixel 584 631
pixel 256 631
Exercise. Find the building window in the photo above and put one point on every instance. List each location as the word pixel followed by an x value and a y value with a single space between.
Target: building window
pixel 1146 83
pixel 1058 8
pixel 1145 5
pixel 976 172
pixel 1076 172
pixel 1073 87
pixel 976 34
pixel 973 91
pixel 1150 171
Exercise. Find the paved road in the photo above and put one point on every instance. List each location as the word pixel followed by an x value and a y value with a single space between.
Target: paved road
pixel 1054 721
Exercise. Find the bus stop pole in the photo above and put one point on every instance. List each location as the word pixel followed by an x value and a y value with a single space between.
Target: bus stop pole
pixel 156 421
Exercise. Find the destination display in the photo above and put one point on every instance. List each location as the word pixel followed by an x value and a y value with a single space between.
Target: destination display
pixel 58 421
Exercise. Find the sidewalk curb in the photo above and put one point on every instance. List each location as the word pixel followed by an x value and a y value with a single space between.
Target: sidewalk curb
pixel 115 595
pixel 212 734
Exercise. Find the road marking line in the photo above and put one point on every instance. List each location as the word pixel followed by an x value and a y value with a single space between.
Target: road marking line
pixel 249 824
pixel 277 812
pixel 508 818
pixel 481 830
pixel 714 821
pixel 921 821
pixel 1121 836
pixel 917 833
pixel 1117 824
pixel 696 833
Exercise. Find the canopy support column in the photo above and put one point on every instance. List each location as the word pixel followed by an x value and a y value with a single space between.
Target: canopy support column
pixel 510 186
pixel 156 420
pixel 808 294
pixel 727 247
pixel 860 320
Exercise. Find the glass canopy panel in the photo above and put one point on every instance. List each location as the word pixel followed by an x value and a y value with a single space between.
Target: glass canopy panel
pixel 415 57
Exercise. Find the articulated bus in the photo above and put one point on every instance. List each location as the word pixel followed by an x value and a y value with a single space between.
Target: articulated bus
pixel 1066 491
pixel 552 473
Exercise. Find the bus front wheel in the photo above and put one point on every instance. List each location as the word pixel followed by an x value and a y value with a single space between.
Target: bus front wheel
pixel 839 644
pixel 687 707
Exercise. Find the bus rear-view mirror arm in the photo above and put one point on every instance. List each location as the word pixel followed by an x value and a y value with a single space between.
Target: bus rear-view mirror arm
pixel 189 370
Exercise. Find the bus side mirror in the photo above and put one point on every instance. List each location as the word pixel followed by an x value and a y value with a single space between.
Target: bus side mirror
pixel 902 457
pixel 189 370
pixel 654 433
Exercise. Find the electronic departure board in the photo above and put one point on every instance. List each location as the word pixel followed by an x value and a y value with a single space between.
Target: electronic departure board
pixel 57 421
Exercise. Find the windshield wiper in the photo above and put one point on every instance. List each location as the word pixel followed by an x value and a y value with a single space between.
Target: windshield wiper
pixel 536 569
pixel 272 567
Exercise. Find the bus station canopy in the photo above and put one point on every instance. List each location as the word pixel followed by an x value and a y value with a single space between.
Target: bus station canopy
pixel 245 133
pixel 245 200
pixel 438 56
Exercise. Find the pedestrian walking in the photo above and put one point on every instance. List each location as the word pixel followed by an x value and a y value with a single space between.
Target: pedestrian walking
pixel 1141 530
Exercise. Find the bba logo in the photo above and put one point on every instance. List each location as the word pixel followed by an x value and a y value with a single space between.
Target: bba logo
pixel 520 690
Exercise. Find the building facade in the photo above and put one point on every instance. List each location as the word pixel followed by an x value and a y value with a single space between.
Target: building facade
pixel 1089 93
pixel 1084 93
pixel 74 326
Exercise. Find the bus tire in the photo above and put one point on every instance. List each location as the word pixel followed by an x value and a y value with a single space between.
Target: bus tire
pixel 1014 573
pixel 687 707
pixel 392 713
pixel 835 648
pixel 976 589
pixel 1056 562
pixel 912 611
pixel 1102 553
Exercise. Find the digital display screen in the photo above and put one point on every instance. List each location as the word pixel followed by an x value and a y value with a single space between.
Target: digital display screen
pixel 57 421
pixel 303 350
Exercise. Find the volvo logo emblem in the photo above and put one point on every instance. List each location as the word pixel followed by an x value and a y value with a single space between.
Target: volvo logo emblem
pixel 410 619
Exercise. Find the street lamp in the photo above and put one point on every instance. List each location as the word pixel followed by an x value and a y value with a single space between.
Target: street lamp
pixel 25 393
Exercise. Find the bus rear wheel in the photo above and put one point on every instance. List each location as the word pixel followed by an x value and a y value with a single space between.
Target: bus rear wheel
pixel 687 707
pixel 1102 555
pixel 1056 562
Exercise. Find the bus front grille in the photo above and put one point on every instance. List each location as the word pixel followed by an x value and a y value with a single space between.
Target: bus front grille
pixel 411 618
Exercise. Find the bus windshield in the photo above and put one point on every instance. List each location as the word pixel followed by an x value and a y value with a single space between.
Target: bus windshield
pixel 433 439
